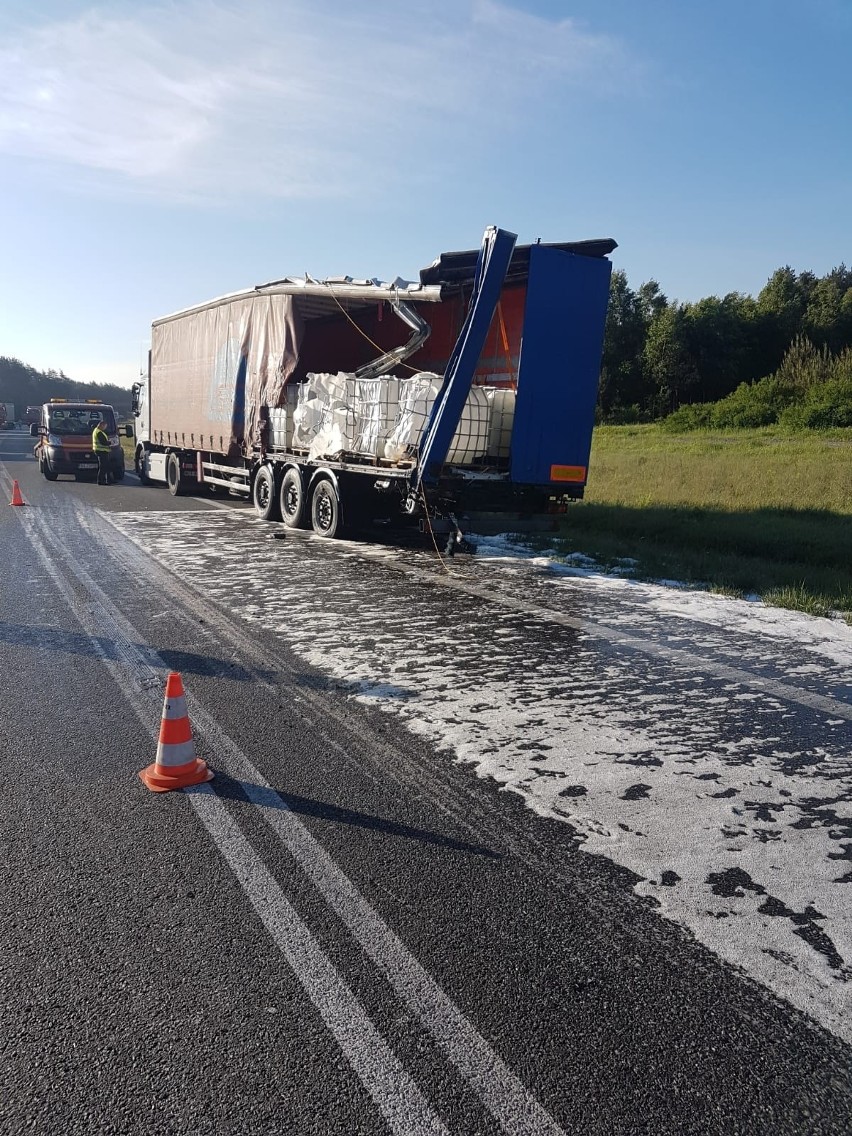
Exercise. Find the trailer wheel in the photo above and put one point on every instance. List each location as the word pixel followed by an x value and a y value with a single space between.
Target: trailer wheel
pixel 292 499
pixel 264 495
pixel 173 477
pixel 325 509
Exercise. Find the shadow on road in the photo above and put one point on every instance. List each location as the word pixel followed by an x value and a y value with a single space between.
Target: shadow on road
pixel 54 641
pixel 267 797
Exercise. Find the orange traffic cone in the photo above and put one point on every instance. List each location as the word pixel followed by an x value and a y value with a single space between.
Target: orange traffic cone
pixel 176 765
pixel 17 499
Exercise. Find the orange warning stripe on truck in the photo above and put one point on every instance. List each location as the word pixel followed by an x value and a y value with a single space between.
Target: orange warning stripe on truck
pixel 568 473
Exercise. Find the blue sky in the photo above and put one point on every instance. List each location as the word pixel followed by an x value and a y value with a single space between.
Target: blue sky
pixel 157 154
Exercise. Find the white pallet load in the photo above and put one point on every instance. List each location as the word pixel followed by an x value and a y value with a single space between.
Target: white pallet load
pixel 325 418
pixel 501 402
pixel 417 396
pixel 377 405
pixel 470 441
pixel 281 419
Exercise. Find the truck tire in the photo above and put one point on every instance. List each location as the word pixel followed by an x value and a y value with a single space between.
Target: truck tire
pixel 49 474
pixel 139 467
pixel 173 477
pixel 264 494
pixel 325 509
pixel 292 499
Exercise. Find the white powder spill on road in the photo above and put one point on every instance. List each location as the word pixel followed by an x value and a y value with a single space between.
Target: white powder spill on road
pixel 830 639
pixel 733 805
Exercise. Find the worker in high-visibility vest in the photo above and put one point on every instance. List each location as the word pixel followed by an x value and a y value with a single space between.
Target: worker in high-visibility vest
pixel 100 444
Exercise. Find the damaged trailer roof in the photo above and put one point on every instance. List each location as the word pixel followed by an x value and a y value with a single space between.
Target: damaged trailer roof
pixel 460 267
pixel 442 278
pixel 325 297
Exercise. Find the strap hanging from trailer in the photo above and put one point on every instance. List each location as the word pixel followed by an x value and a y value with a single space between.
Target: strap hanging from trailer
pixel 491 267
pixel 507 351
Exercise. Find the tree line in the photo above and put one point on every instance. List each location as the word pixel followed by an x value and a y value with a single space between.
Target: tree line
pixel 660 355
pixel 663 357
pixel 24 386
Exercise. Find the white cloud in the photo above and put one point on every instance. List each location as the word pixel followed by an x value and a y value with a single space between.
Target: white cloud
pixel 558 49
pixel 204 99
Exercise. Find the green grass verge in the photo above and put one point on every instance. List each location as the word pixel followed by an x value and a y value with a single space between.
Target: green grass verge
pixel 756 512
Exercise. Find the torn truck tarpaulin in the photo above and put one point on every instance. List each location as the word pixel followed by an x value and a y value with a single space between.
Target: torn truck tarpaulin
pixel 229 356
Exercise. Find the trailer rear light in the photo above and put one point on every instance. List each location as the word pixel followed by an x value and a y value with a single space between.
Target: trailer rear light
pixel 573 473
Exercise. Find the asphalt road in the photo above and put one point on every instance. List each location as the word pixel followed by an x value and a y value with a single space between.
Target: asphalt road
pixel 347 930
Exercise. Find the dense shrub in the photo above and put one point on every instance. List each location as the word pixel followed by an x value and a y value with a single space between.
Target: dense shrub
pixel 697 416
pixel 826 407
pixel 804 365
pixel 622 416
pixel 753 404
pixel 812 389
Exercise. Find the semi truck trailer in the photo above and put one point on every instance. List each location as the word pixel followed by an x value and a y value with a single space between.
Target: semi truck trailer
pixel 469 393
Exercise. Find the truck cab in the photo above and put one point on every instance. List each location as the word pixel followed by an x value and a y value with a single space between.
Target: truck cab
pixel 64 434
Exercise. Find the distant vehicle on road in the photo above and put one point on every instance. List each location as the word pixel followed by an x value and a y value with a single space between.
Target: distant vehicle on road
pixel 64 433
pixel 7 416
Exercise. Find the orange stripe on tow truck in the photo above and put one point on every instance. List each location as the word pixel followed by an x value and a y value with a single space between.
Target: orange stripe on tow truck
pixel 568 473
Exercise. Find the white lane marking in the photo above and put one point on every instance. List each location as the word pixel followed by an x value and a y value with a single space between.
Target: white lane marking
pixel 6 479
pixel 394 1092
pixel 712 765
pixel 398 1098
pixel 500 1091
pixel 494 1083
